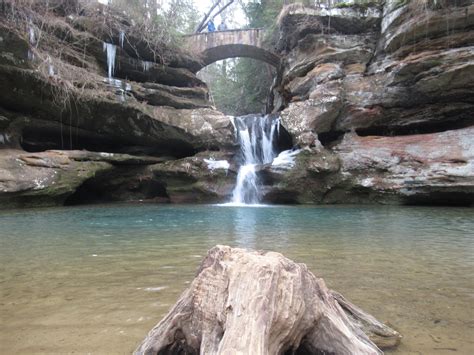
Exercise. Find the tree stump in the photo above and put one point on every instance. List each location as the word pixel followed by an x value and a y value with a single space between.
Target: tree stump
pixel 249 302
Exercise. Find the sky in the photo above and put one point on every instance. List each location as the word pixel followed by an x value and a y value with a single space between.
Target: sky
pixel 203 6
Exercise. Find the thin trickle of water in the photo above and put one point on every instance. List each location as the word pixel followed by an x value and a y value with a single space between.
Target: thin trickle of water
pixel 121 38
pixel 32 38
pixel 256 136
pixel 32 34
pixel 50 66
pixel 146 65
pixel 111 50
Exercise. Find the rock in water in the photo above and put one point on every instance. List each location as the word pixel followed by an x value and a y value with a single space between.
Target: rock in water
pixel 250 302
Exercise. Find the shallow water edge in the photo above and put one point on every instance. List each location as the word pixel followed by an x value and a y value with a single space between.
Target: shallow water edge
pixel 97 278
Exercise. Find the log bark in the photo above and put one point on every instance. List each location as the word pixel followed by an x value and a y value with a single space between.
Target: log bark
pixel 249 302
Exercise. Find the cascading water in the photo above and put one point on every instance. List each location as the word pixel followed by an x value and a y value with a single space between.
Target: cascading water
pixel 256 135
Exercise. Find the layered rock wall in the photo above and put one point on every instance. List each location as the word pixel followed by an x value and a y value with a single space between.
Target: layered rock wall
pixel 387 88
pixel 77 76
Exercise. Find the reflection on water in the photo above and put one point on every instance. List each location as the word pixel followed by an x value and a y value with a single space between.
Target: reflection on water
pixel 96 279
pixel 244 226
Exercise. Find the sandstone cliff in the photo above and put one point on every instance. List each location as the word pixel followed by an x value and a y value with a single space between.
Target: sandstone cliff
pixel 80 76
pixel 388 90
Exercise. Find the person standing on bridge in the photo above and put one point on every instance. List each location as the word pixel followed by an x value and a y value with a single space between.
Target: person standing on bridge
pixel 210 26
pixel 222 26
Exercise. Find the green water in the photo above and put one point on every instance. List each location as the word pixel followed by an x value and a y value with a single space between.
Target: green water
pixel 96 279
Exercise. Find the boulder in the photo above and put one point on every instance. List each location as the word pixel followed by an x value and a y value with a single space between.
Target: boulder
pixel 197 179
pixel 314 173
pixel 433 168
pixel 210 128
pixel 316 114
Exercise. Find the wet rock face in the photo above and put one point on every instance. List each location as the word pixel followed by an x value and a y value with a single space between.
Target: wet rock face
pixel 407 74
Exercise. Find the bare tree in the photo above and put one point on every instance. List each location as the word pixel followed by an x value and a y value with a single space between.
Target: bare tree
pixel 208 16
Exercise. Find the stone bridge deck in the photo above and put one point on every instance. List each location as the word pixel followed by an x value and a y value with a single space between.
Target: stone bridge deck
pixel 219 45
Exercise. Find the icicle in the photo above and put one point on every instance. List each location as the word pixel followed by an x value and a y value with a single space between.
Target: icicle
pixel 32 34
pixel 111 51
pixel 146 65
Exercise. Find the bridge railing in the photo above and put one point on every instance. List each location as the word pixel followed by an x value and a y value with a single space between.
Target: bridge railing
pixel 199 42
pixel 228 30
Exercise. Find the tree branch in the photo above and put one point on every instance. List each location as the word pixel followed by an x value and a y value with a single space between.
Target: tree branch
pixel 204 20
pixel 226 6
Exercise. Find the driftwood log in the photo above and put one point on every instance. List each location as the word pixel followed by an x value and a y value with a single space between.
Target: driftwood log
pixel 248 302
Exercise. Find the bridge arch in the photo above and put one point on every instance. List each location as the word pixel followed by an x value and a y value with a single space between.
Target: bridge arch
pixel 214 46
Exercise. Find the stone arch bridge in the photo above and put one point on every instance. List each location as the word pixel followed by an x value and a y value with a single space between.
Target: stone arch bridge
pixel 214 46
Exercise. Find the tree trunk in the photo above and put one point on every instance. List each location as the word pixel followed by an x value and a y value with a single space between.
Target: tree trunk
pixel 248 302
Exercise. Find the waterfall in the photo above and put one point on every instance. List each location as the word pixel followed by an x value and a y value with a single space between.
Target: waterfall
pixel 256 135
pixel 111 49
